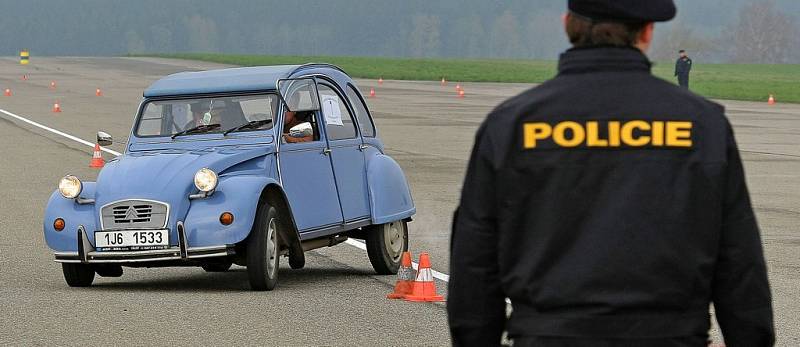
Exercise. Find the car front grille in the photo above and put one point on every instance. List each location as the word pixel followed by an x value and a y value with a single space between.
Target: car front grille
pixel 129 214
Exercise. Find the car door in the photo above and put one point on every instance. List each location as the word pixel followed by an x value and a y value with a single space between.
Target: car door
pixel 346 156
pixel 305 167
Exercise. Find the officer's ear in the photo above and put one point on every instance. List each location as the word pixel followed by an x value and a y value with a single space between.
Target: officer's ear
pixel 645 37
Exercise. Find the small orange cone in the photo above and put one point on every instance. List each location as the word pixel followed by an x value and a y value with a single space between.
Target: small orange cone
pixel 372 92
pixel 53 85
pixel 8 92
pixel 461 93
pixel 458 86
pixel 424 288
pixel 380 81
pixel 98 92
pixel 97 158
pixel 56 107
pixel 405 278
pixel 444 82
pixel 771 100
pixel 24 77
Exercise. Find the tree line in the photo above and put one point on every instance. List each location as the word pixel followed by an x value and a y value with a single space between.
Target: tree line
pixel 759 31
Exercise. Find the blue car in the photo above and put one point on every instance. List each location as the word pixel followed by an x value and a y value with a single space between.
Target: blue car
pixel 236 166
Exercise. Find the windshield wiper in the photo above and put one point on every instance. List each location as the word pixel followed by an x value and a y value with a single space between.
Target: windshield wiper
pixel 198 129
pixel 255 124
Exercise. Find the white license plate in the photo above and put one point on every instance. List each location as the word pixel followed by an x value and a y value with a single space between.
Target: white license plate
pixel 131 240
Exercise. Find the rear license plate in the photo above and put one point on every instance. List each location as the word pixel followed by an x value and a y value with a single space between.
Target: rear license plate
pixel 131 240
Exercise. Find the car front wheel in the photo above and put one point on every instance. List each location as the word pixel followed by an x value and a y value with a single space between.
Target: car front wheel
pixel 263 250
pixel 78 275
pixel 385 246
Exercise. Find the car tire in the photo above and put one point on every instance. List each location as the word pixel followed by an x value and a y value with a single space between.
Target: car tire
pixel 108 270
pixel 78 275
pixel 385 246
pixel 217 267
pixel 263 253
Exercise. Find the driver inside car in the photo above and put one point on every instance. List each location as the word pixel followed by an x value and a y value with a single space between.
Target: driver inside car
pixel 292 119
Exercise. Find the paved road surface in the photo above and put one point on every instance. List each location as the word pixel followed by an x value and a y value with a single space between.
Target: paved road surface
pixel 336 299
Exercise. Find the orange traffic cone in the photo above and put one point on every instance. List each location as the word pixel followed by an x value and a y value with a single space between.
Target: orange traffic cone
pixel 56 107
pixel 372 92
pixel 771 100
pixel 380 81
pixel 444 82
pixel 97 158
pixel 8 92
pixel 24 77
pixel 458 86
pixel 98 92
pixel 461 93
pixel 405 278
pixel 424 288
pixel 53 85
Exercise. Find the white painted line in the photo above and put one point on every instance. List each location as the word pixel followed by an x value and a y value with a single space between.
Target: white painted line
pixel 54 131
pixel 436 274
pixel 351 242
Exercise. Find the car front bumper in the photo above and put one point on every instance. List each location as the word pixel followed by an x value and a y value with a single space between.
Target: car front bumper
pixel 88 255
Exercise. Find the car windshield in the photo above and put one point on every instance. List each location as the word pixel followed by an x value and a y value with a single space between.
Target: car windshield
pixel 207 115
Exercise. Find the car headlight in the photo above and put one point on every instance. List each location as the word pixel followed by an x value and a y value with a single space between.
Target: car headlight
pixel 205 180
pixel 70 187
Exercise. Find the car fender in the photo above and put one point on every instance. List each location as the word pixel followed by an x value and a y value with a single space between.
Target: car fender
pixel 390 196
pixel 239 195
pixel 74 215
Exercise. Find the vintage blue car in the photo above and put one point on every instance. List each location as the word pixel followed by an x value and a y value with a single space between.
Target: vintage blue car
pixel 236 166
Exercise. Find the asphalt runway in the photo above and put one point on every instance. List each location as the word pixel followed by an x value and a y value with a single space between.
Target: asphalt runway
pixel 336 299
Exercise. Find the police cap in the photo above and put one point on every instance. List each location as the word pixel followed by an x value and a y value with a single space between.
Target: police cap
pixel 625 11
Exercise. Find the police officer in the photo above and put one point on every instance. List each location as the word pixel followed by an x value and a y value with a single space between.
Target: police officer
pixel 682 69
pixel 608 205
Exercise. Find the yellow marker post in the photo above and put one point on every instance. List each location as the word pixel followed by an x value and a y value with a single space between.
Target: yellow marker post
pixel 24 57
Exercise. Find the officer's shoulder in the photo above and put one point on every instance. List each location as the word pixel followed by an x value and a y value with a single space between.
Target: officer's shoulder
pixel 509 110
pixel 696 102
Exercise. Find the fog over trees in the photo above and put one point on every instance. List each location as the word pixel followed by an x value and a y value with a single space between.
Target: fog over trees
pixel 746 31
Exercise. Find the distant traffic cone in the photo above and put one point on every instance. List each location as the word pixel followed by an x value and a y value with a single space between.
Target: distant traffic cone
pixel 56 107
pixel 97 158
pixel 24 77
pixel 461 94
pixel 458 86
pixel 405 278
pixel 771 100
pixel 372 92
pixel 444 82
pixel 98 92
pixel 380 81
pixel 52 84
pixel 424 288
pixel 7 92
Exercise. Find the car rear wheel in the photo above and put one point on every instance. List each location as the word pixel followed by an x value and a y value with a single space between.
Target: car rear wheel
pixel 263 250
pixel 385 246
pixel 217 267
pixel 78 275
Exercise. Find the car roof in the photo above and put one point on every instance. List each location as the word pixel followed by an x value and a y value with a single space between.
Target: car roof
pixel 239 79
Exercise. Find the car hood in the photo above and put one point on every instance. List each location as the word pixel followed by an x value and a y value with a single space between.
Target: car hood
pixel 166 174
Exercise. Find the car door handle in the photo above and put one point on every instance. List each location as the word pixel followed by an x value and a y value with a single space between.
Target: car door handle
pixel 326 151
pixel 362 147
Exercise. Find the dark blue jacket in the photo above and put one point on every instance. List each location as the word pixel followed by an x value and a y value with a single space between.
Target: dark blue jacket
pixel 683 66
pixel 607 203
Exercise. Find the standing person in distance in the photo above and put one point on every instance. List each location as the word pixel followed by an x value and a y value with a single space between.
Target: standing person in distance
pixel 682 69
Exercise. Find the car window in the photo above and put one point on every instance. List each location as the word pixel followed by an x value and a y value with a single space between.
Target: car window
pixel 168 117
pixel 300 127
pixel 364 121
pixel 338 120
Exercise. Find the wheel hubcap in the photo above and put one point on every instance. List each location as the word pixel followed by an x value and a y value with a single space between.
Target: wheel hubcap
pixel 272 248
pixel 394 240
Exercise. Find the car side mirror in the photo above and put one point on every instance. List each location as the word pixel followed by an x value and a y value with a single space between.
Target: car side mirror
pixel 104 139
pixel 301 130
